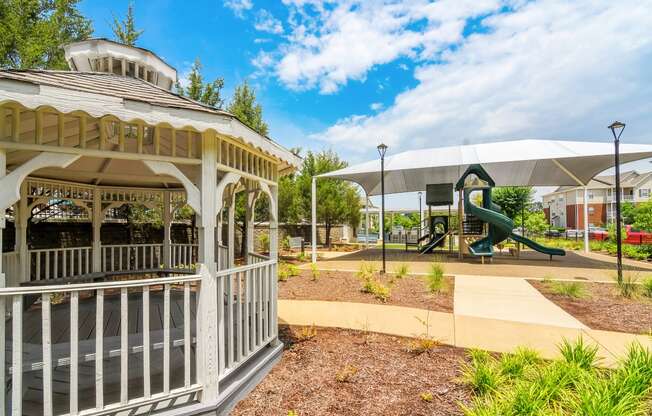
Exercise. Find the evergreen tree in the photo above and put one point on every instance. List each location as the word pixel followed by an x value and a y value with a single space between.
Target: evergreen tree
pixel 247 110
pixel 32 32
pixel 125 30
pixel 207 93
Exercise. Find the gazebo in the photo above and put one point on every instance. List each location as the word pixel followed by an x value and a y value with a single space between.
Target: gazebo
pixel 509 163
pixel 116 327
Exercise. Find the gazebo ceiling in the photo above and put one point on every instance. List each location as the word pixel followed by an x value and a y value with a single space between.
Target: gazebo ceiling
pixel 115 172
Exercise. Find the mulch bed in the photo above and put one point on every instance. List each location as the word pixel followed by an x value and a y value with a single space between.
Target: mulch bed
pixel 602 308
pixel 385 379
pixel 345 287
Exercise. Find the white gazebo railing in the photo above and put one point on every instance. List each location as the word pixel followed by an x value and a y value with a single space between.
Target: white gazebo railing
pixel 57 263
pixel 183 254
pixel 139 318
pixel 128 257
pixel 254 258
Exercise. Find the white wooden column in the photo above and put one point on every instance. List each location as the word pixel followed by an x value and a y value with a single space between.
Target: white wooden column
pixel 21 233
pixel 273 223
pixel 97 227
pixel 167 221
pixel 252 195
pixel 586 220
pixel 207 318
pixel 314 219
pixel 3 280
pixel 231 231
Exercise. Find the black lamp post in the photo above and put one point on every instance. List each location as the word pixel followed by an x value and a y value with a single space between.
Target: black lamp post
pixel 382 148
pixel 549 216
pixel 617 129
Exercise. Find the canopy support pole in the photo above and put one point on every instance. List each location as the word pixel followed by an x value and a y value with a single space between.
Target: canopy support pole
pixel 586 219
pixel 366 220
pixel 313 244
pixel 586 202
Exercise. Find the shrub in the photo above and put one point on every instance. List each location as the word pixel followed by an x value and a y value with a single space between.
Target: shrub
pixel 370 284
pixel 345 374
pixel 647 287
pixel 435 278
pixel 401 271
pixel 263 240
pixel 627 287
pixel 306 333
pixel 482 376
pixel 287 270
pixel 569 289
pixel 579 353
pixel 314 271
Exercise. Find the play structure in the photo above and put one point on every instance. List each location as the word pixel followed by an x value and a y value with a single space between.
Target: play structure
pixel 473 218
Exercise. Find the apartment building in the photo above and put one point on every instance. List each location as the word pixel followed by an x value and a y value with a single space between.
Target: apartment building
pixel 565 206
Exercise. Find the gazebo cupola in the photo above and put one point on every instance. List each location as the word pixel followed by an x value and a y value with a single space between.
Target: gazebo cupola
pixel 102 55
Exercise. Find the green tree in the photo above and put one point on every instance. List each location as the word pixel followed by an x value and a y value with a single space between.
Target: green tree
pixel 628 211
pixel 535 222
pixel 338 202
pixel 512 199
pixel 209 93
pixel 642 216
pixel 246 109
pixel 125 30
pixel 33 31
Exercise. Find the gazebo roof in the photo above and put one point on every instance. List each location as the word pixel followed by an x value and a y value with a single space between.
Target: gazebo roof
pixel 509 163
pixel 129 99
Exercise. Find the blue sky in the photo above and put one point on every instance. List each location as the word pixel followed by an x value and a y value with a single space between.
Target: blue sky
pixel 415 73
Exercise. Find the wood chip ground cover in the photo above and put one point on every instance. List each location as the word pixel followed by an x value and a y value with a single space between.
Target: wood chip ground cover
pixel 377 376
pixel 345 287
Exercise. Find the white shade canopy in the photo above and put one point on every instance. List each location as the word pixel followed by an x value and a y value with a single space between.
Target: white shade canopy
pixel 509 163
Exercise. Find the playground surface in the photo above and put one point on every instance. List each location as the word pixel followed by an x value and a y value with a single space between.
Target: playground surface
pixel 573 266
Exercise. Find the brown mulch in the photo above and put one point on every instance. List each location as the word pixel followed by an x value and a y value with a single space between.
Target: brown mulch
pixel 385 379
pixel 603 308
pixel 345 287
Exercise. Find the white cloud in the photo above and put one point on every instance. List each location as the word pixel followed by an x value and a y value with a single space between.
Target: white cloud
pixel 266 22
pixel 239 6
pixel 550 68
pixel 376 106
pixel 330 44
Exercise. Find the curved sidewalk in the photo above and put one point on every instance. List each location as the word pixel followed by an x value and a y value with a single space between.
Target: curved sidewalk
pixel 453 329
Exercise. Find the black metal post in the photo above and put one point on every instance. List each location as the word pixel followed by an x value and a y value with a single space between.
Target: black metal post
pixel 420 219
pixel 619 249
pixel 381 150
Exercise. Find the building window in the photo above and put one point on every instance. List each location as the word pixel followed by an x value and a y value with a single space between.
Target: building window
pixel 590 194
pixel 644 193
pixel 591 210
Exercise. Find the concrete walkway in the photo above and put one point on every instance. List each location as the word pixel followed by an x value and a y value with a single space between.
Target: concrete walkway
pixel 508 299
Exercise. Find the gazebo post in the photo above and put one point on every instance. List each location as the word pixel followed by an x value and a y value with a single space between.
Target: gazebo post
pixel 231 229
pixel 586 220
pixel 313 246
pixel 97 227
pixel 208 319
pixel 21 221
pixel 273 223
pixel 3 281
pixel 252 195
pixel 167 224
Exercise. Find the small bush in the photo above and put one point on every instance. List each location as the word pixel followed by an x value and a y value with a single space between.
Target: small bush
pixel 627 287
pixel 426 396
pixel 647 287
pixel 401 271
pixel 579 353
pixel 292 413
pixel 370 284
pixel 569 289
pixel 481 376
pixel 293 269
pixel 302 256
pixel 345 374
pixel 435 278
pixel 306 333
pixel 283 274
pixel 314 272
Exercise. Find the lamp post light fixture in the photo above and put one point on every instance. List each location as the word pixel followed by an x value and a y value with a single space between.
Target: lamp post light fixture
pixel 382 148
pixel 617 129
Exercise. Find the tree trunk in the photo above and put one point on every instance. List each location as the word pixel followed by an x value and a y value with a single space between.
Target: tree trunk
pixel 328 235
pixel 243 241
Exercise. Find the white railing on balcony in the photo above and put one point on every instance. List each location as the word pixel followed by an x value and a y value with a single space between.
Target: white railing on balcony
pixel 128 257
pixel 59 263
pixel 183 254
pixel 68 339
